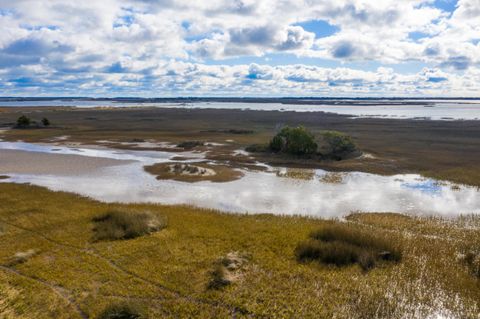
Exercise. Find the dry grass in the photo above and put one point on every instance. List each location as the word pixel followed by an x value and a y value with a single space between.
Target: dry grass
pixel 167 272
pixel 462 175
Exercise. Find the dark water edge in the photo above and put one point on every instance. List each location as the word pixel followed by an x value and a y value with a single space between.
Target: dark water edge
pixel 282 100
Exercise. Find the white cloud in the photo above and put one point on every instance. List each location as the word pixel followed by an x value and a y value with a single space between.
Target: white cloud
pixel 160 44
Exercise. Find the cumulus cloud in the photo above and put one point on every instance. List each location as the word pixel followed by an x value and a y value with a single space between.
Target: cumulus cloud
pixel 154 46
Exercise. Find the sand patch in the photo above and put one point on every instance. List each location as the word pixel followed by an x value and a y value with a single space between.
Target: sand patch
pixel 24 162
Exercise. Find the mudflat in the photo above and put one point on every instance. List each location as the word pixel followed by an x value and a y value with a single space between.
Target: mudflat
pixel 23 162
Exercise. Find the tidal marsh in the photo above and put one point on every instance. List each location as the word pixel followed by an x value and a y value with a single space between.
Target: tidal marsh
pixel 396 145
pixel 167 272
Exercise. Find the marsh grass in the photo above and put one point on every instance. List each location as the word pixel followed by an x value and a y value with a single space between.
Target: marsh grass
pixel 342 245
pixel 398 145
pixel 122 311
pixel 116 224
pixel 429 280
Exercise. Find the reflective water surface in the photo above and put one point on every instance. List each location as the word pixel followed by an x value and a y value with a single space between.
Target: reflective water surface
pixel 425 109
pixel 278 191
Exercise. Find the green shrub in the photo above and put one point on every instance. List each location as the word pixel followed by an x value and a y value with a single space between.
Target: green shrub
pixel 277 143
pixel 122 311
pixel 342 245
pixel 296 141
pixel 45 122
pixel 23 121
pixel 116 225
pixel 339 143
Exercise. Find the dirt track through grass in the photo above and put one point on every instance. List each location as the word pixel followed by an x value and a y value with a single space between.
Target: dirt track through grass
pixel 93 252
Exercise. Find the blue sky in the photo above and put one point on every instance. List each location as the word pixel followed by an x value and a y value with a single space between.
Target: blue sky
pixel 240 48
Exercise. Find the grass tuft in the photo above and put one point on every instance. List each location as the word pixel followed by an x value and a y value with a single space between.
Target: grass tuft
pixel 227 270
pixel 22 257
pixel 472 260
pixel 343 245
pixel 122 311
pixel 115 225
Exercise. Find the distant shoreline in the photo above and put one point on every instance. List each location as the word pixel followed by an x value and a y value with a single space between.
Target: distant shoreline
pixel 417 109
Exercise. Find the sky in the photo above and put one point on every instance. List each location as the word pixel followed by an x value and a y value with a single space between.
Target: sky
pixel 159 48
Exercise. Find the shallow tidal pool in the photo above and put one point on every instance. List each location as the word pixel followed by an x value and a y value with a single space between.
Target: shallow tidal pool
pixel 278 190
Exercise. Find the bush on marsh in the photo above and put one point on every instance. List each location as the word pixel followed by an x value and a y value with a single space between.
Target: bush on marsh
pixel 122 311
pixel 339 144
pixel 23 121
pixel 342 245
pixel 295 141
pixel 300 141
pixel 116 225
pixel 45 122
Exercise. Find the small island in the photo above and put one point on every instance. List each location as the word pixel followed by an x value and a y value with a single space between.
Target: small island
pixel 194 172
pixel 299 142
